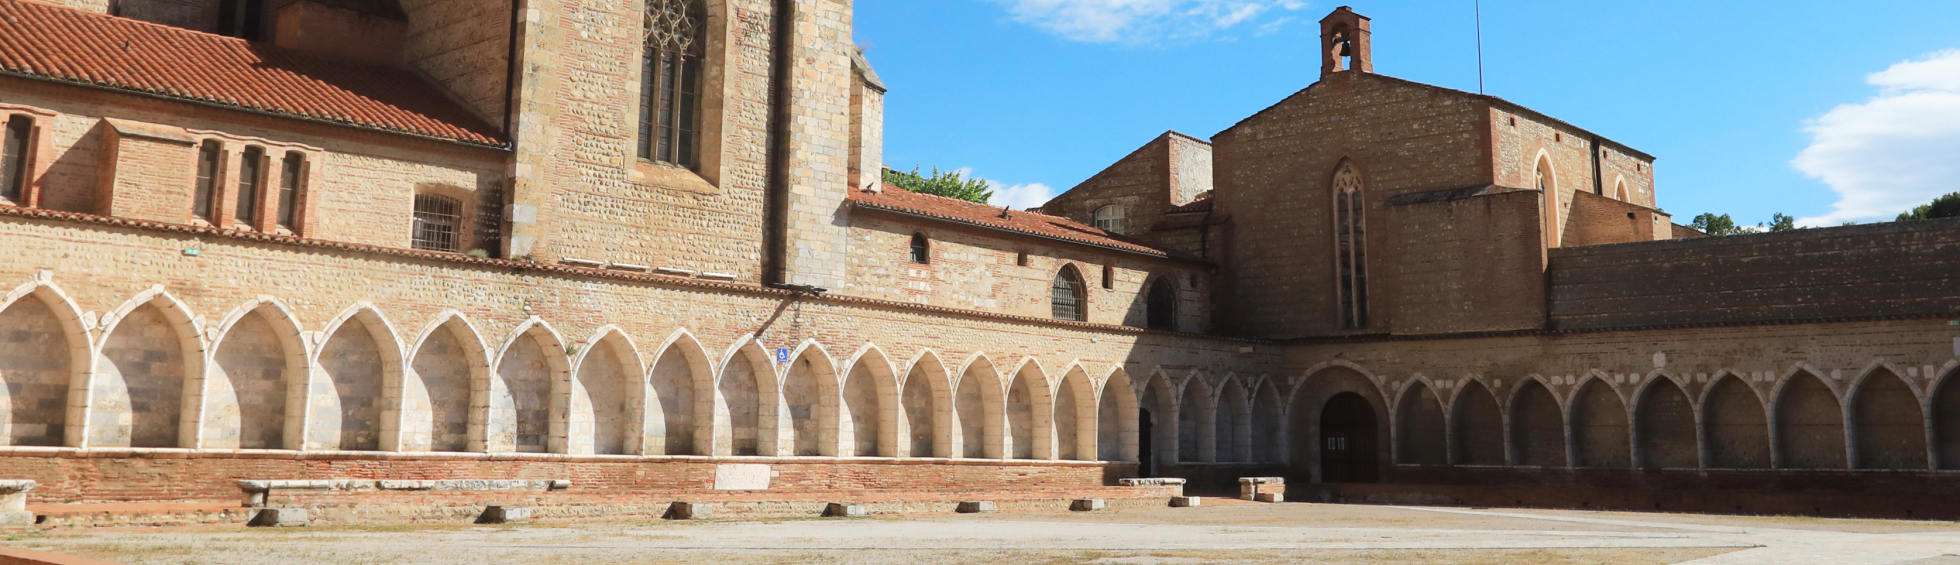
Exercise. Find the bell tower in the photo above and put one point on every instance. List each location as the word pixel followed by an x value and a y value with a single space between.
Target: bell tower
pixel 1344 43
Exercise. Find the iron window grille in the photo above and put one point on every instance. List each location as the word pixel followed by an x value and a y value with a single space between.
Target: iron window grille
pixel 921 249
pixel 1068 295
pixel 670 70
pixel 437 219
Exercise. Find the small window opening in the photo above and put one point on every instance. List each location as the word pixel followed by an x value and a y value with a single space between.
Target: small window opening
pixel 249 181
pixel 1161 305
pixel 437 220
pixel 1110 219
pixel 1558 138
pixel 242 19
pixel 289 179
pixel 1021 259
pixel 208 157
pixel 1514 121
pixel 1068 298
pixel 13 158
pixel 1109 277
pixel 921 249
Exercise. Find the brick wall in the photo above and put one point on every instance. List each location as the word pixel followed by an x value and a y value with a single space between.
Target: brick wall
pixel 1599 220
pixel 463 45
pixel 1169 171
pixel 1465 265
pixel 1862 271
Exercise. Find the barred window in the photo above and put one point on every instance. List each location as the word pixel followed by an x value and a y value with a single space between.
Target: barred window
pixel 208 158
pixel 289 179
pixel 437 220
pixel 249 181
pixel 13 157
pixel 670 85
pixel 1110 219
pixel 1068 297
pixel 1351 246
pixel 921 249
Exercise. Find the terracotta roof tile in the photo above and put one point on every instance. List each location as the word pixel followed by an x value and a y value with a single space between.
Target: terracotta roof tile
pixel 85 48
pixel 1202 204
pixel 897 199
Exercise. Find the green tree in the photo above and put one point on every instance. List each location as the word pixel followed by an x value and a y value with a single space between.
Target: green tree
pixel 1780 222
pixel 1715 225
pixel 1943 207
pixel 947 184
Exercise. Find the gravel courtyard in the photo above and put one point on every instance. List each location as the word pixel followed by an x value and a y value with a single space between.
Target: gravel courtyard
pixel 1224 532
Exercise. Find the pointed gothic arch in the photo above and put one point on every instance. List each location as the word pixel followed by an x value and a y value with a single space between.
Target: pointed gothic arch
pixel 1477 427
pixel 448 360
pixel 1030 413
pixel 1537 426
pixel 980 403
pixel 1197 420
pixel 1159 400
pixel 40 380
pixel 150 348
pixel 1075 415
pixel 603 400
pixel 1350 244
pixel 1601 433
pixel 1545 179
pixel 747 410
pixel 259 369
pixel 1268 435
pixel 1664 426
pixel 869 407
pixel 1232 423
pixel 926 426
pixel 1735 425
pixel 1420 431
pixel 1888 427
pixel 1945 407
pixel 1809 421
pixel 680 415
pixel 809 412
pixel 353 404
pixel 1116 418
pixel 518 402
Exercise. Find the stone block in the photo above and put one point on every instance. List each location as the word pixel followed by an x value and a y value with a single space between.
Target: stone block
pixel 11 519
pixel 504 515
pixel 13 496
pixel 278 518
pixel 1250 487
pixel 842 510
pixel 1153 482
pixel 1184 502
pixel 1269 497
pixel 689 511
pixel 976 507
pixel 1088 505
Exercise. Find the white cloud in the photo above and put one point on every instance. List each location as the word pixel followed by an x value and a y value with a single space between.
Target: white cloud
pixel 1143 21
pixel 1896 151
pixel 1021 196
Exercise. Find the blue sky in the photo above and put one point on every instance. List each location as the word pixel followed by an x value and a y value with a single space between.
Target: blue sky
pixel 1038 95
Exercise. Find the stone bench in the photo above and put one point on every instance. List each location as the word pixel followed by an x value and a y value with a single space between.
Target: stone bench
pixel 1262 489
pixel 13 503
pixel 1158 482
pixel 257 491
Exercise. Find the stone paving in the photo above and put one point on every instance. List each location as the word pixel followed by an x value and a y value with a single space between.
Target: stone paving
pixel 1223 532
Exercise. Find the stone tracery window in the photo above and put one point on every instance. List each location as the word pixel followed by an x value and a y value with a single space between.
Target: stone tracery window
pixel 670 87
pixel 1351 246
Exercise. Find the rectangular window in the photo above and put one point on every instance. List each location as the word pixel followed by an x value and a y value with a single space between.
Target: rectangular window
pixel 669 98
pixel 436 222
pixel 1109 277
pixel 289 179
pixel 249 181
pixel 1021 259
pixel 13 158
pixel 208 157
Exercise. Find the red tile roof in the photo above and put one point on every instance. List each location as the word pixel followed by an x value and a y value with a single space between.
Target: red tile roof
pixel 60 44
pixel 895 199
pixel 1202 204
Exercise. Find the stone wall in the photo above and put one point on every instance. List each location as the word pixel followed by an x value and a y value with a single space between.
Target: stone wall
pixel 1895 269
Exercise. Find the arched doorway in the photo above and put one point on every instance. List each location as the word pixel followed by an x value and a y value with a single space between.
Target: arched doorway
pixel 1146 445
pixel 1347 441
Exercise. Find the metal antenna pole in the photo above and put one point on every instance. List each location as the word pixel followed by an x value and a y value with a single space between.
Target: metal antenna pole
pixel 1480 46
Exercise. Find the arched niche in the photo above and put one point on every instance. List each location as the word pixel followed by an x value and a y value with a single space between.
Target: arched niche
pixel 1419 427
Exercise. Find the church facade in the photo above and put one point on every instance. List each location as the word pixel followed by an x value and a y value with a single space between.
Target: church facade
pixel 648 245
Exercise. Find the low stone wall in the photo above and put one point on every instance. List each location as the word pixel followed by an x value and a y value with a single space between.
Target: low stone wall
pixel 1865 494
pixel 70 476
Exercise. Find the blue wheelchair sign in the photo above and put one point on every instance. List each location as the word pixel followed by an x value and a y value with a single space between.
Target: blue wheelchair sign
pixel 782 355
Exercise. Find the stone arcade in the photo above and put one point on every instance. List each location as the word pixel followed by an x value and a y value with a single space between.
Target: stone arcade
pixel 644 247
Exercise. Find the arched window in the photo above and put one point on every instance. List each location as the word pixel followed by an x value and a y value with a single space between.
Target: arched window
pixel 438 221
pixel 1547 182
pixel 289 187
pixel 1620 191
pixel 1351 246
pixel 1110 219
pixel 1161 305
pixel 670 87
pixel 250 180
pixel 1069 298
pixel 209 158
pixel 921 249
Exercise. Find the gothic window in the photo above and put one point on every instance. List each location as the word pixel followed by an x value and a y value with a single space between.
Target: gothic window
pixel 1351 246
pixel 242 19
pixel 1620 191
pixel 289 180
pixel 1161 305
pixel 1069 297
pixel 209 158
pixel 1110 219
pixel 670 86
pixel 249 181
pixel 13 158
pixel 437 222
pixel 921 249
pixel 1547 183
